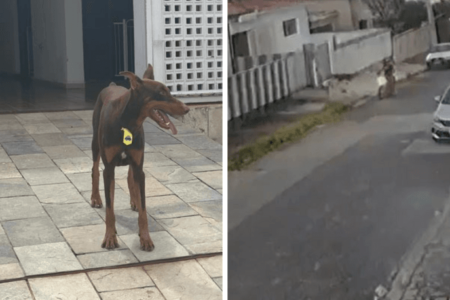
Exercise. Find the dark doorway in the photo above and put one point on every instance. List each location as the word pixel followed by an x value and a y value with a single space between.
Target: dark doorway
pixel 25 38
pixel 99 41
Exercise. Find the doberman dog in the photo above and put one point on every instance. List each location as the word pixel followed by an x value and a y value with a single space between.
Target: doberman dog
pixel 119 140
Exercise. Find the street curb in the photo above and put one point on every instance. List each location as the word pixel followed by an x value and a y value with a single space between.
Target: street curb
pixel 413 258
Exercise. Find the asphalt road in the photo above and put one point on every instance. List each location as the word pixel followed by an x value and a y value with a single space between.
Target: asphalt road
pixel 340 229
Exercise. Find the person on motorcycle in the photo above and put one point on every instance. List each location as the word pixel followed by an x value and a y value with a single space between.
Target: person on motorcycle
pixel 388 71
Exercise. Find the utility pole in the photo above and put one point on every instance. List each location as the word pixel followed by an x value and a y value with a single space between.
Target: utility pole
pixel 431 22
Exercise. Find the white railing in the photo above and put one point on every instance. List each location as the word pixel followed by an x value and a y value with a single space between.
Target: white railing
pixel 264 84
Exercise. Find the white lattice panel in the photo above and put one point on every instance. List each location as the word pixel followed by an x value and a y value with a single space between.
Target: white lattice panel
pixel 193 46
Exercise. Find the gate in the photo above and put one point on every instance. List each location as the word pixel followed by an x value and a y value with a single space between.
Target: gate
pixel 123 46
pixel 317 64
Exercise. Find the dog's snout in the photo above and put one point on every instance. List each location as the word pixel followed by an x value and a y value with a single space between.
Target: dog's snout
pixel 186 109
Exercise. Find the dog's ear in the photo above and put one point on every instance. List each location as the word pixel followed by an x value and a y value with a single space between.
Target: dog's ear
pixel 149 73
pixel 134 80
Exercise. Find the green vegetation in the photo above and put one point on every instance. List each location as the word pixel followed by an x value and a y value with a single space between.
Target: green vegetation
pixel 293 132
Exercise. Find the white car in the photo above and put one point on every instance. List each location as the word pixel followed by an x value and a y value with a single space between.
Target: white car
pixel 439 54
pixel 441 119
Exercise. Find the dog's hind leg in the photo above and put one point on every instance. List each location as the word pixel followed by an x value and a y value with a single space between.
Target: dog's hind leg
pixel 96 200
pixel 110 240
pixel 134 190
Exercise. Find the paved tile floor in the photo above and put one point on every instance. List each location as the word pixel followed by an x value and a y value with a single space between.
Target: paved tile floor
pixel 48 225
pixel 193 279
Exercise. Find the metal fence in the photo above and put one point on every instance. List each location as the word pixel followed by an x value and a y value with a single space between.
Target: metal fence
pixel 264 84
pixel 123 46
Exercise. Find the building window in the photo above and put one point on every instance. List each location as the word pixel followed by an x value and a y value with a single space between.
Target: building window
pixel 240 44
pixel 290 27
pixel 363 24
pixel 325 28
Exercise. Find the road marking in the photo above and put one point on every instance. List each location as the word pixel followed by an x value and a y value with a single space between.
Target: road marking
pixel 426 146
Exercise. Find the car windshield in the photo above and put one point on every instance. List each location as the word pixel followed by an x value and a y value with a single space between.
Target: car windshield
pixel 446 97
pixel 441 48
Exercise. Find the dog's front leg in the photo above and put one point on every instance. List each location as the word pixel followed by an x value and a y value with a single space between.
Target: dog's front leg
pixel 144 235
pixel 110 241
pixel 134 189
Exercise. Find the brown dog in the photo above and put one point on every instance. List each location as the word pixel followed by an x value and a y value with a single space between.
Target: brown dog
pixel 119 140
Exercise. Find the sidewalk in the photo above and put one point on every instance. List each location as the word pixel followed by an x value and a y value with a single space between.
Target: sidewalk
pixel 431 278
pixel 48 226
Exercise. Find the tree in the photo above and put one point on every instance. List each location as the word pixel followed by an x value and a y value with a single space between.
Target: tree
pixel 398 15
pixel 387 12
pixel 413 14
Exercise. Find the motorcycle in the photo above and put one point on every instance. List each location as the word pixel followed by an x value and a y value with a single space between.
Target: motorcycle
pixel 386 82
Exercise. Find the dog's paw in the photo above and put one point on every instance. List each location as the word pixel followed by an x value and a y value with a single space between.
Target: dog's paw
pixel 96 201
pixel 110 241
pixel 146 243
pixel 133 206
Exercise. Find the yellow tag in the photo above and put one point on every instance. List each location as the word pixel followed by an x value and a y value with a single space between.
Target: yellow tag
pixel 127 137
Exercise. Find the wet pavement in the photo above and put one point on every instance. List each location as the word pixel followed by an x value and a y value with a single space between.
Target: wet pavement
pixel 48 227
pixel 331 217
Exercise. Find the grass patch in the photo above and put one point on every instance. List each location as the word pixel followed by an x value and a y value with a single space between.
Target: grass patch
pixel 287 134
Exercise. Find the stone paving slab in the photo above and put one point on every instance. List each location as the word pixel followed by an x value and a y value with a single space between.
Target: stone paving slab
pixel 134 294
pixel 120 279
pixel 51 139
pixel 22 147
pixel 173 280
pixel 170 206
pixel 32 231
pixel 11 271
pixel 32 161
pixel 15 290
pixel 194 191
pixel 42 176
pixel 211 178
pixel 58 193
pixel 48 226
pixel 107 259
pixel 166 247
pixel 9 170
pixel 7 255
pixel 86 239
pixel 47 258
pixel 75 286
pixel 20 135
pixel 4 158
pixel 189 279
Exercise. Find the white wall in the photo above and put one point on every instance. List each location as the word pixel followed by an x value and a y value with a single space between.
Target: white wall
pixel 266 33
pixel 154 39
pixel 412 43
pixel 58 41
pixel 9 37
pixel 140 52
pixel 365 48
pixel 362 54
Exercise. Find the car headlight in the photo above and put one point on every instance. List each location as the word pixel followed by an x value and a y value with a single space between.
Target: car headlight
pixel 436 119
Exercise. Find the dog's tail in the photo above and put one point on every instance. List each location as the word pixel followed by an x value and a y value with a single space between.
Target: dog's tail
pixel 112 84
